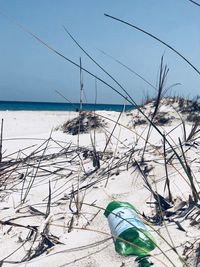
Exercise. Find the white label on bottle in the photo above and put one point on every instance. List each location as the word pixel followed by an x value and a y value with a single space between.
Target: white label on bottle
pixel 122 219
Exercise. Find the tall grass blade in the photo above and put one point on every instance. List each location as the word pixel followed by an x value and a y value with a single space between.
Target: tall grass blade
pixel 197 4
pixel 167 182
pixel 1 141
pixel 129 69
pixel 81 88
pixel 156 38
pixel 189 174
pixel 161 83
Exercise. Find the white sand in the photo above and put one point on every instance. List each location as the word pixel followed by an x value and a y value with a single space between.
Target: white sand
pixel 24 129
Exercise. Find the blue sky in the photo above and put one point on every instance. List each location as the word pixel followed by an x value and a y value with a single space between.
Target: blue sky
pixel 31 72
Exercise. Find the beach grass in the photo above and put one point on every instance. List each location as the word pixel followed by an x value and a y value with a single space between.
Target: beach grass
pixel 53 186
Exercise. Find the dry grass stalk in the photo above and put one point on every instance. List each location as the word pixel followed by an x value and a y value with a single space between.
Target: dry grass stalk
pixel 167 182
pixel 1 139
pixel 163 71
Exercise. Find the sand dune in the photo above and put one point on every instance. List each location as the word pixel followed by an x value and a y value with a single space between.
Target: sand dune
pixel 54 187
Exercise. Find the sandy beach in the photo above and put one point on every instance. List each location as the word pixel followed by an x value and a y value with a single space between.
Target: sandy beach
pixel 99 134
pixel 55 187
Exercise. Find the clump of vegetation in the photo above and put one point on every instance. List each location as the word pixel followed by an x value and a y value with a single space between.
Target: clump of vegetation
pixel 162 118
pixel 139 122
pixel 193 117
pixel 186 108
pixel 85 122
pixel 189 105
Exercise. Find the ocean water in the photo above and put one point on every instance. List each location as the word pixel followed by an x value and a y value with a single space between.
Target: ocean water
pixel 36 106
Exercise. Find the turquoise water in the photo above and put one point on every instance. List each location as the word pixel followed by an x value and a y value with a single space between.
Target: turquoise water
pixel 19 105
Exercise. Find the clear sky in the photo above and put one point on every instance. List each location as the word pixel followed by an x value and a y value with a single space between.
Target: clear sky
pixel 31 72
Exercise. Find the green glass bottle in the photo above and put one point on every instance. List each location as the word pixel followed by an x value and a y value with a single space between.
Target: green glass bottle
pixel 130 234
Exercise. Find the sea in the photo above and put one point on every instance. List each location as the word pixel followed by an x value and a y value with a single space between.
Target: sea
pixel 52 106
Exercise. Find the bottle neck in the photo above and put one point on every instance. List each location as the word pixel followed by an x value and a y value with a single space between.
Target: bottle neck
pixel 143 261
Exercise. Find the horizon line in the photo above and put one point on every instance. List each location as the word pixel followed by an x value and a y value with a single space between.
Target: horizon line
pixel 72 103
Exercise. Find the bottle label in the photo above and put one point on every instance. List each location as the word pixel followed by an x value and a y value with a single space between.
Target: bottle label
pixel 122 219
